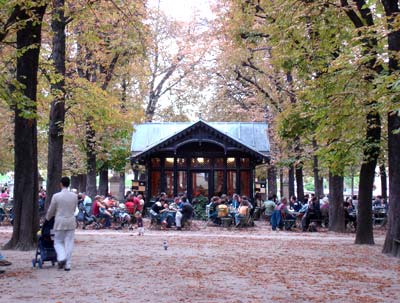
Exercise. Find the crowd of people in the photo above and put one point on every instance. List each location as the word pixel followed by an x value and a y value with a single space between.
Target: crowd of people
pixel 236 207
pixel 178 212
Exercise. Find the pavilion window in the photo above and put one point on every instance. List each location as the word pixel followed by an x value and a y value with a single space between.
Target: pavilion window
pixel 219 163
pixel 181 163
pixel 155 183
pixel 245 183
pixel 201 162
pixel 155 162
pixel 200 184
pixel 169 163
pixel 231 182
pixel 182 182
pixel 244 163
pixel 169 178
pixel 218 182
pixel 231 162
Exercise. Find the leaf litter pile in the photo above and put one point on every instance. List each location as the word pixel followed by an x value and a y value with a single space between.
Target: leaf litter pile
pixel 209 264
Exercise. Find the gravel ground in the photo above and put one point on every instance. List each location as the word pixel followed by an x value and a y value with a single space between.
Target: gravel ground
pixel 207 264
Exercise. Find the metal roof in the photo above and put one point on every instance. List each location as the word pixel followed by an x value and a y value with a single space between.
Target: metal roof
pixel 251 134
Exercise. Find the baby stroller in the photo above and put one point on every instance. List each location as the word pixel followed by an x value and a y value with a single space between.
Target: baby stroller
pixel 45 250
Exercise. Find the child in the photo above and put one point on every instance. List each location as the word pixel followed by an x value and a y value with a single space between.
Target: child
pixel 139 221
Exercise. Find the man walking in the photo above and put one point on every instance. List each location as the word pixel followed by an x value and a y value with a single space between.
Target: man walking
pixel 62 207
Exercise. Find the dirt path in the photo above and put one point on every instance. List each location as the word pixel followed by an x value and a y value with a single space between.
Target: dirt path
pixel 207 265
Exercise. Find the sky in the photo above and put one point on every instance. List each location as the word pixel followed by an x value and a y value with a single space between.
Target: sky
pixel 183 10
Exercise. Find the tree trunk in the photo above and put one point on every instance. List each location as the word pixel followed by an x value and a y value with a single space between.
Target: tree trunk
pixel 272 184
pixel 121 190
pixel 321 186
pixel 393 233
pixel 82 179
pixel 382 169
pixel 336 210
pixel 57 110
pixel 300 182
pixel 318 181
pixel 75 182
pixel 281 182
pixel 91 189
pixel 103 182
pixel 291 181
pixel 364 233
pixel 26 220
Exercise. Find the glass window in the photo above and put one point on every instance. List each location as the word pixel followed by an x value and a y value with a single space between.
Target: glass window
pixel 181 162
pixel 155 162
pixel 219 163
pixel 182 182
pixel 201 162
pixel 155 183
pixel 231 163
pixel 245 183
pixel 231 182
pixel 169 190
pixel 200 184
pixel 218 182
pixel 244 162
pixel 169 163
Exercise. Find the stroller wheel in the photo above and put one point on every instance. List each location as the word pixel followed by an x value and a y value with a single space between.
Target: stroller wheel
pixel 40 262
pixel 33 263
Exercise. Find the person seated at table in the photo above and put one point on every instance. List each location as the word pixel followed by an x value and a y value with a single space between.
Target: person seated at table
pixel 349 213
pixel 235 202
pixel 223 210
pixel 187 211
pixel 377 202
pixel 100 211
pixel 269 207
pixel 295 204
pixel 213 211
pixel 158 211
pixel 130 205
pixel 177 206
pixel 243 211
pixel 276 218
pixel 288 214
pixel 313 212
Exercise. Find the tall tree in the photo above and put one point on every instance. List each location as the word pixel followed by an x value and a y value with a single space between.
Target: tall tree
pixel 336 210
pixel 57 109
pixel 392 12
pixel 26 220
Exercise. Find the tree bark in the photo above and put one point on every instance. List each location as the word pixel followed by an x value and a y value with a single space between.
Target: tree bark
pixel 300 182
pixel 291 181
pixel 26 220
pixel 91 189
pixel 364 233
pixel 281 182
pixel 382 170
pixel 318 182
pixel 272 184
pixel 103 182
pixel 361 19
pixel 57 110
pixel 393 233
pixel 121 191
pixel 75 182
pixel 336 210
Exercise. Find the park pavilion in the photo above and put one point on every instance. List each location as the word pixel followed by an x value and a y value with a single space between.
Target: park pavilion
pixel 199 158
